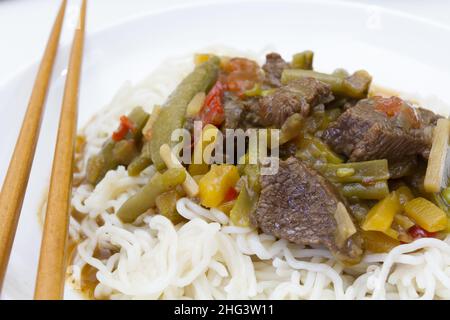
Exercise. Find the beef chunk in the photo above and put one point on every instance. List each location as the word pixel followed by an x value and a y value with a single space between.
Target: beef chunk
pixel 298 96
pixel 298 204
pixel 233 109
pixel 273 69
pixel 288 149
pixel 403 167
pixel 365 133
pixel 427 117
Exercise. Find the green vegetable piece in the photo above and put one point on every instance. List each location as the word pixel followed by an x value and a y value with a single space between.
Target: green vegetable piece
pixel 243 207
pixel 167 206
pixel 145 198
pixel 291 128
pixel 114 154
pixel 312 149
pixel 99 164
pixel 355 86
pixel 173 113
pixel 377 191
pixel 340 72
pixel 446 194
pixel 139 117
pixel 138 165
pixel 303 60
pixel 362 172
pixel 254 92
pixel 124 152
pixel 345 172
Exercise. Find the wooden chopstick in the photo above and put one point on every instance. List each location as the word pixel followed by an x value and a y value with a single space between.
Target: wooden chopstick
pixel 16 180
pixel 52 261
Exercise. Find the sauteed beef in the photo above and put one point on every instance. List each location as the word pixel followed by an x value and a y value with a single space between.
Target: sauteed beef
pixel 273 68
pixel 366 132
pixel 299 96
pixel 233 109
pixel 298 204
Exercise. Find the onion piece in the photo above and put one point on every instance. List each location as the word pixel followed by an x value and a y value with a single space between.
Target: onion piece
pixel 190 186
pixel 345 226
pixel 438 160
pixel 195 105
pixel 147 130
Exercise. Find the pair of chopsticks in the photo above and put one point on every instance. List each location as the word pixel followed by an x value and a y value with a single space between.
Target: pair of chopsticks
pixel 52 262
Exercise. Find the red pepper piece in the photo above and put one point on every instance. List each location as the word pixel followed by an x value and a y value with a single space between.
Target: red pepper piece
pixel 212 111
pixel 231 194
pixel 126 125
pixel 417 232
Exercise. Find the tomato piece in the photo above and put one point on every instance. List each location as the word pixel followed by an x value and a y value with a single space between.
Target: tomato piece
pixel 212 111
pixel 231 194
pixel 417 232
pixel 126 125
pixel 390 106
pixel 241 75
pixel 396 107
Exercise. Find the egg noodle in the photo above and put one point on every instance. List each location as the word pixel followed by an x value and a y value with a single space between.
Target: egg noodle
pixel 207 257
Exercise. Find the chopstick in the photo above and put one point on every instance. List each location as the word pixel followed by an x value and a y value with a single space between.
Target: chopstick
pixel 52 261
pixel 16 180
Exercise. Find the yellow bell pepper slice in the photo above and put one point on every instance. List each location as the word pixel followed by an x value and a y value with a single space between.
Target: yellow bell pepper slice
pixel 404 194
pixel 378 242
pixel 381 215
pixel 426 214
pixel 215 184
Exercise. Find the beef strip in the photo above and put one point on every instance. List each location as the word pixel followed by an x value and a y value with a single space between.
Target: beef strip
pixel 403 167
pixel 288 149
pixel 298 204
pixel 298 96
pixel 233 109
pixel 427 117
pixel 273 68
pixel 364 133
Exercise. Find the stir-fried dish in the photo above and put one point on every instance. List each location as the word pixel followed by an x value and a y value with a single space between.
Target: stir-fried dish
pixel 357 172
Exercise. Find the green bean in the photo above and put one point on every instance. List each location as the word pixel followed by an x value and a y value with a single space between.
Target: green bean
pixel 167 206
pixel 335 82
pixel 439 200
pixel 363 172
pixel 99 164
pixel 446 194
pixel 139 117
pixel 252 172
pixel 355 86
pixel 142 161
pixel 115 153
pixel 145 198
pixel 377 191
pixel 124 152
pixel 342 73
pixel 315 148
pixel 243 207
pixel 138 165
pixel 254 92
pixel 173 113
pixel 303 60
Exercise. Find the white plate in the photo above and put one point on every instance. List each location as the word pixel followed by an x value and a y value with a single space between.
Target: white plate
pixel 400 51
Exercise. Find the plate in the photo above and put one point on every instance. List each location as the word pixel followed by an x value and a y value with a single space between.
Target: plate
pixel 402 52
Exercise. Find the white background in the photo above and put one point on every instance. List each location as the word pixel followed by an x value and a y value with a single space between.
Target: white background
pixel 25 24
